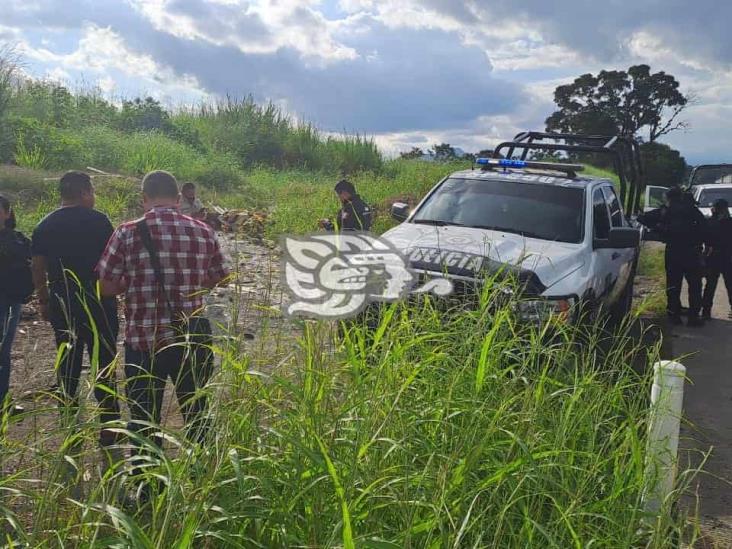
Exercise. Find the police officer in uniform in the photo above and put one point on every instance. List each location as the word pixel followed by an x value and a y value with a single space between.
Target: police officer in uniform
pixel 354 215
pixel 718 255
pixel 682 227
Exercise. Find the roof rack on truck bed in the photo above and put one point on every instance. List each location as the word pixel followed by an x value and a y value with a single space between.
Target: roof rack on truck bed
pixel 624 151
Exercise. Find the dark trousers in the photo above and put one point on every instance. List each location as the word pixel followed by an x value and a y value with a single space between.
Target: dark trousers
pixel 684 263
pixel 9 318
pixel 189 366
pixel 716 268
pixel 80 322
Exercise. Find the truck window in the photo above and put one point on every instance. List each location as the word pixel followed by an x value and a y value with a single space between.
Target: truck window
pixel 708 197
pixel 600 217
pixel 616 211
pixel 546 212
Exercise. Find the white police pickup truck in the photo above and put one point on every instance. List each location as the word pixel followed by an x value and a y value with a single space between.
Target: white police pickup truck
pixel 564 235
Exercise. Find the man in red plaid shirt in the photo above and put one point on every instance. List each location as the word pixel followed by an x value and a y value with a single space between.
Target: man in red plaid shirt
pixel 166 334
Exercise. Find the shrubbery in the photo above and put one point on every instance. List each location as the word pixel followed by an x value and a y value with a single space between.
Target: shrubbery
pixel 45 126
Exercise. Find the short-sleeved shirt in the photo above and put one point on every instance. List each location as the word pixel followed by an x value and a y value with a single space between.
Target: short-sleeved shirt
pixel 189 256
pixel 72 240
pixel 189 208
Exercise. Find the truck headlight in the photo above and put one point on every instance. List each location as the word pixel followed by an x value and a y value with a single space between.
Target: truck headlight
pixel 539 311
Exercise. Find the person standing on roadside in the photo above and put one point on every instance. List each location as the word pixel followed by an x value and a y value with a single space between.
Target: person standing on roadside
pixel 164 263
pixel 718 255
pixel 66 246
pixel 354 215
pixel 16 288
pixel 682 227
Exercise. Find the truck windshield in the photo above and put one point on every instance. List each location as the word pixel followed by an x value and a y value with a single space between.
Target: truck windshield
pixel 712 174
pixel 539 211
pixel 708 197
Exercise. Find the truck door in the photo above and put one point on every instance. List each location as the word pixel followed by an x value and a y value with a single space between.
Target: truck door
pixel 624 258
pixel 655 198
pixel 607 261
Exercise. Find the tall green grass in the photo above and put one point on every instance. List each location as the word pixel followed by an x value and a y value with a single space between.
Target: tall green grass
pixel 435 430
pixel 46 125
pixel 296 198
pixel 262 135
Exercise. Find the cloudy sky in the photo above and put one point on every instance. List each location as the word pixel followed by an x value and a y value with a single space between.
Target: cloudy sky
pixel 409 72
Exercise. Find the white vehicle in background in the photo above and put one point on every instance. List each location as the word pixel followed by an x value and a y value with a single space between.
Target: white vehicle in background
pixel 706 195
pixel 707 184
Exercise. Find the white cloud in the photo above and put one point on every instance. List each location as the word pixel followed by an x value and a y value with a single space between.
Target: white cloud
pixel 257 26
pixel 101 50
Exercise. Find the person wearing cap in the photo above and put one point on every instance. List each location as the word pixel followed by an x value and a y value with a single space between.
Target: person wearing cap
pixel 718 252
pixel 354 215
pixel 683 229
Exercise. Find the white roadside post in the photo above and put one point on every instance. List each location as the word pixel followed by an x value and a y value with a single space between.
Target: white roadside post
pixel 667 397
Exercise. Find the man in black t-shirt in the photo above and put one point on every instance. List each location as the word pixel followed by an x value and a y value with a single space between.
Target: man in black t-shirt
pixel 66 246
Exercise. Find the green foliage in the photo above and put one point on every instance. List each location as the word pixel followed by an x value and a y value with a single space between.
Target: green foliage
pixel 259 135
pixel 29 158
pixel 299 198
pixel 8 72
pixel 413 153
pixel 45 146
pixel 444 152
pixel 619 103
pixel 141 115
pixel 468 429
pixel 665 166
pixel 232 134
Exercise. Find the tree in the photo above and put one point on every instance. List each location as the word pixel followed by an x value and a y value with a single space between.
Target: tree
pixel 8 74
pixel 488 153
pixel 139 115
pixel 665 166
pixel 444 152
pixel 416 152
pixel 626 103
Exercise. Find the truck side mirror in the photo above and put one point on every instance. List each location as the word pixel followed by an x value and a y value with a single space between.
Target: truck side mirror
pixel 620 238
pixel 400 211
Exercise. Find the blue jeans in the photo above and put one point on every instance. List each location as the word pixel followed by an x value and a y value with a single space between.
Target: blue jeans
pixel 9 318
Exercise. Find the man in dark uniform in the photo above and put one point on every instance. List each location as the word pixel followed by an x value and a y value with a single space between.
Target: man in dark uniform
pixel 682 227
pixel 718 254
pixel 354 215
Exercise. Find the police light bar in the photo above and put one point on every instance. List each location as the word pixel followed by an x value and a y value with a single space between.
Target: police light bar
pixel 509 163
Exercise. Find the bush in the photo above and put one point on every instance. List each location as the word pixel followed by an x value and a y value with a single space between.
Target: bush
pixel 42 146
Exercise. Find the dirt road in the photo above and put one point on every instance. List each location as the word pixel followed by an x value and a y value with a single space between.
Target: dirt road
pixel 707 354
